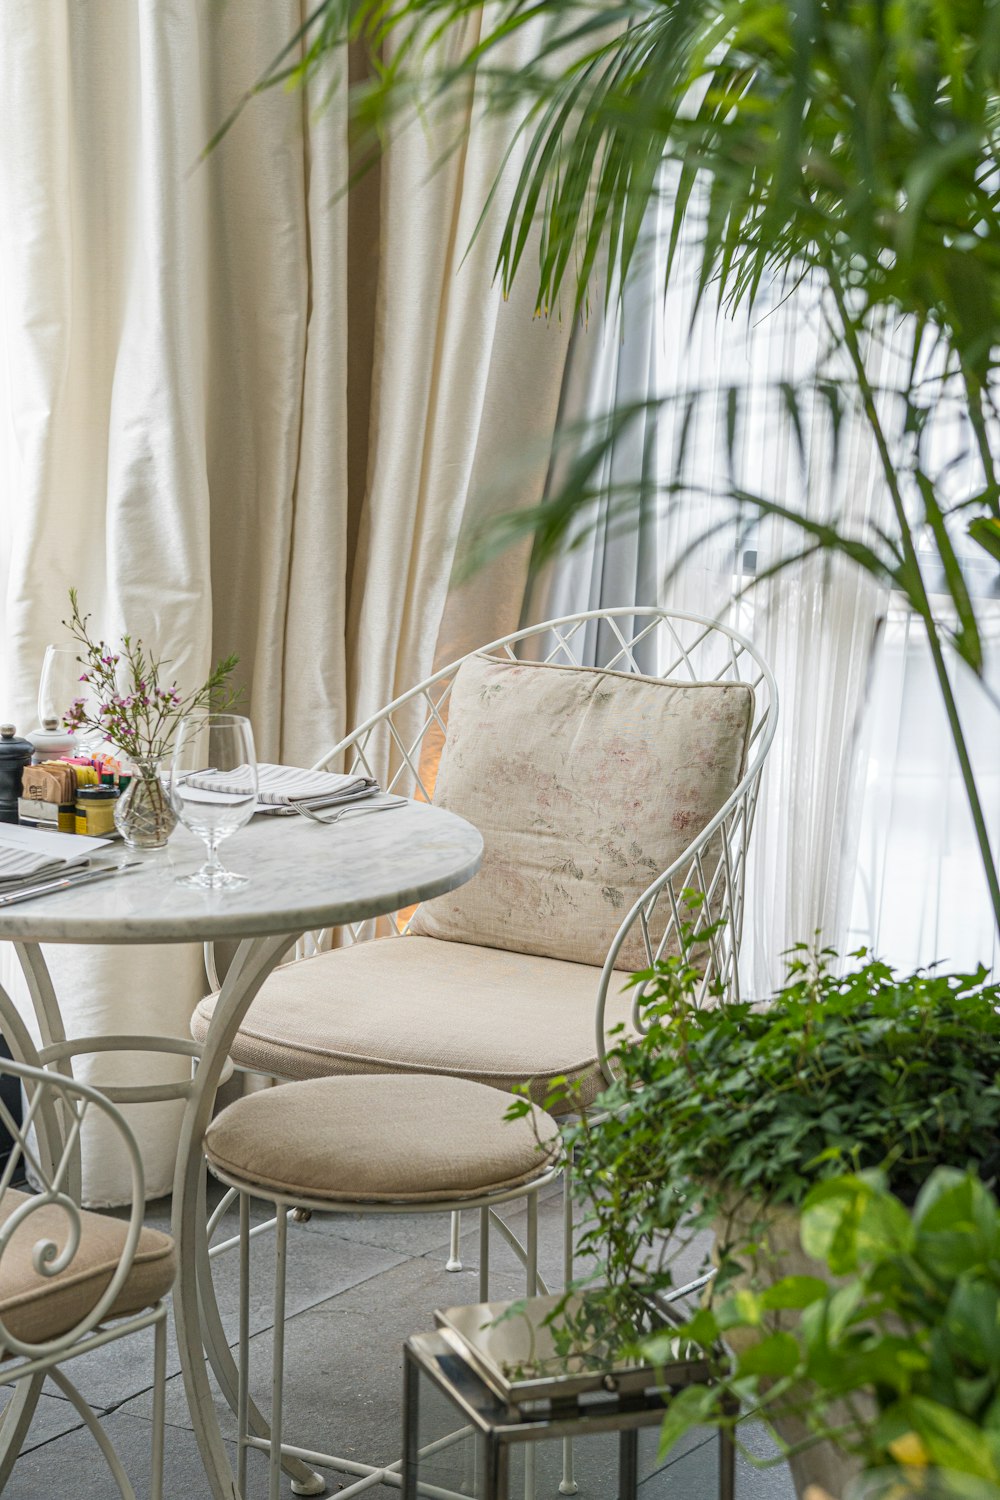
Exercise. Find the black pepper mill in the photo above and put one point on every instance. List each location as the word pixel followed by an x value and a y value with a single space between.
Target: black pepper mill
pixel 15 754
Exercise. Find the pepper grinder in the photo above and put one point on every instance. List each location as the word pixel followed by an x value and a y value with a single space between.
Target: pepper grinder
pixel 15 754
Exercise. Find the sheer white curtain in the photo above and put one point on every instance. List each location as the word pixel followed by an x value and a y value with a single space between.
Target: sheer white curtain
pixel 918 894
pixel 863 831
pixel 243 410
pixel 816 623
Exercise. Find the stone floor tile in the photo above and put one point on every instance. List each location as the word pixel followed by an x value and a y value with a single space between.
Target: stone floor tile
pixel 53 1417
pixel 72 1466
pixel 320 1267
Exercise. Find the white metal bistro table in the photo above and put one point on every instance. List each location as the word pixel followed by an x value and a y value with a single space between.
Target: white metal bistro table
pixel 303 877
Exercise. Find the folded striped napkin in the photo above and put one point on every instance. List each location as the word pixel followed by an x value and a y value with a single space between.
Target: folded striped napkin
pixel 280 787
pixel 18 864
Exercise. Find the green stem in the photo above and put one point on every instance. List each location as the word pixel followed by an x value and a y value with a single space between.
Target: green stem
pixel 975 398
pixel 918 597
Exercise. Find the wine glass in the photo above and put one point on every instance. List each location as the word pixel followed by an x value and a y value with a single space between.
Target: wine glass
pixel 59 686
pixel 222 798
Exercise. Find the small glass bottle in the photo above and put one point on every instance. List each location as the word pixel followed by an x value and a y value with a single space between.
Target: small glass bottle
pixel 95 810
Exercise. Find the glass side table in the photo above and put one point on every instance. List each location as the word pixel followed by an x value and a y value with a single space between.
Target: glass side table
pixel 509 1387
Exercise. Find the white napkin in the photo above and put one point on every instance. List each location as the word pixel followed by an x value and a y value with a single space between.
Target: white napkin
pixel 18 865
pixel 280 787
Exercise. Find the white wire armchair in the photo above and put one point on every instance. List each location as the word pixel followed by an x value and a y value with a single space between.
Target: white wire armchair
pixel 71 1280
pixel 702 892
pixel 407 735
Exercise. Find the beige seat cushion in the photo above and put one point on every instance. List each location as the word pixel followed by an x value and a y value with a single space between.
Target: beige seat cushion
pixel 36 1308
pixel 415 1005
pixel 381 1139
pixel 585 786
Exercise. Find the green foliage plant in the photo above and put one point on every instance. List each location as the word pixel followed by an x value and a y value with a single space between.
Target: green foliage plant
pixel 893 1354
pixel 721 1114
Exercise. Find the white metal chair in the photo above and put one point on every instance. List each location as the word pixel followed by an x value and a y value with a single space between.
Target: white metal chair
pixel 72 1280
pixel 400 746
pixel 406 737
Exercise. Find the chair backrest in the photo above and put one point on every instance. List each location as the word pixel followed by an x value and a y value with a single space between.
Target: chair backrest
pixel 402 742
pixel 45 1143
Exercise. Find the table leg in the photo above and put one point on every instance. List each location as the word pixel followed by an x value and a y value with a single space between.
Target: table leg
pixel 727 1461
pixel 51 1032
pixel 254 961
pixel 495 1468
pixel 411 1424
pixel 628 1464
pixel 48 1121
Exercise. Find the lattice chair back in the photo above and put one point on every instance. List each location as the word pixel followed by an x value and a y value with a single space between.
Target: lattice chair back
pixel 402 743
pixel 46 1143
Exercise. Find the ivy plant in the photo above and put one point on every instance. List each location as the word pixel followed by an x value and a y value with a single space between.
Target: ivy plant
pixel 720 1111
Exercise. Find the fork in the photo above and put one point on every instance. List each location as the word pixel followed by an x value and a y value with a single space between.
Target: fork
pixel 315 817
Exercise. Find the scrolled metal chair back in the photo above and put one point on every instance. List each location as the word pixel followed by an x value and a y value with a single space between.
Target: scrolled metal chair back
pixel 49 1095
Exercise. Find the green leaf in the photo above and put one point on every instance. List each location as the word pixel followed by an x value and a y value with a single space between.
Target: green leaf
pixel 794 1291
pixel 776 1354
pixel 742 1309
pixel 972 1320
pixel 986 531
pixel 692 1407
pixel 851 1221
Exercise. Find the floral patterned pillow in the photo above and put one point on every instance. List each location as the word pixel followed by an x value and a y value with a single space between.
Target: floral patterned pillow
pixel 585 785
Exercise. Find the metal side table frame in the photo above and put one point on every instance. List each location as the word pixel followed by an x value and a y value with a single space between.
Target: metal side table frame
pixel 500 1425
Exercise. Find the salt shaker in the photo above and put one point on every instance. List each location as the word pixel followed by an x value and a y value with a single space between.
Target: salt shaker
pixel 15 754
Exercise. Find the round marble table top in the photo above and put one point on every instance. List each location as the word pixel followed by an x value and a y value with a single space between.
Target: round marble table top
pixel 301 876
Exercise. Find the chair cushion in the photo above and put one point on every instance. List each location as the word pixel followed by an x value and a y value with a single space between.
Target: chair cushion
pixel 35 1308
pixel 585 786
pixel 381 1139
pixel 414 1005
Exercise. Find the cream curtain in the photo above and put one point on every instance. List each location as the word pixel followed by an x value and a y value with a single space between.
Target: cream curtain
pixel 243 411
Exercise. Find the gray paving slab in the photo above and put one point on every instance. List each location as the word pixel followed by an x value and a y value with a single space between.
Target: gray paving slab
pixel 320 1267
pixel 694 1472
pixel 72 1468
pixel 342 1357
pixel 53 1417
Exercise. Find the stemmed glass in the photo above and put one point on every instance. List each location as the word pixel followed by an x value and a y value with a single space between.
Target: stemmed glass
pixel 222 798
pixel 59 686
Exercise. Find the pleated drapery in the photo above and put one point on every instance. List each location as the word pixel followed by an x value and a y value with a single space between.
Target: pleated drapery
pixel 244 409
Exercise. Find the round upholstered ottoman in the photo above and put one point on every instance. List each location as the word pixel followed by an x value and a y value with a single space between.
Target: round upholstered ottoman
pixel 371 1143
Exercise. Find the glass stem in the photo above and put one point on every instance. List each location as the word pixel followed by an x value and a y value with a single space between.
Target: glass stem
pixel 212 865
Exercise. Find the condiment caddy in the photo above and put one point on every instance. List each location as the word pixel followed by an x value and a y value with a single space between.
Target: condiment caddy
pixel 72 795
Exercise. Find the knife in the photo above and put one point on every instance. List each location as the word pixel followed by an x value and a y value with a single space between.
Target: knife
pixel 45 888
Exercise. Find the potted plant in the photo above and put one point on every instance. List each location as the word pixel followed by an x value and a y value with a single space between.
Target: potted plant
pixel 727 1116
pixel 894 1355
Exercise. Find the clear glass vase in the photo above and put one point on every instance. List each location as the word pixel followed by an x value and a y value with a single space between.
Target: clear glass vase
pixel 143 814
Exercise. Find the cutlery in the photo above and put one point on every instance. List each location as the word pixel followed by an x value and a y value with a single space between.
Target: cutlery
pixel 66 882
pixel 342 812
